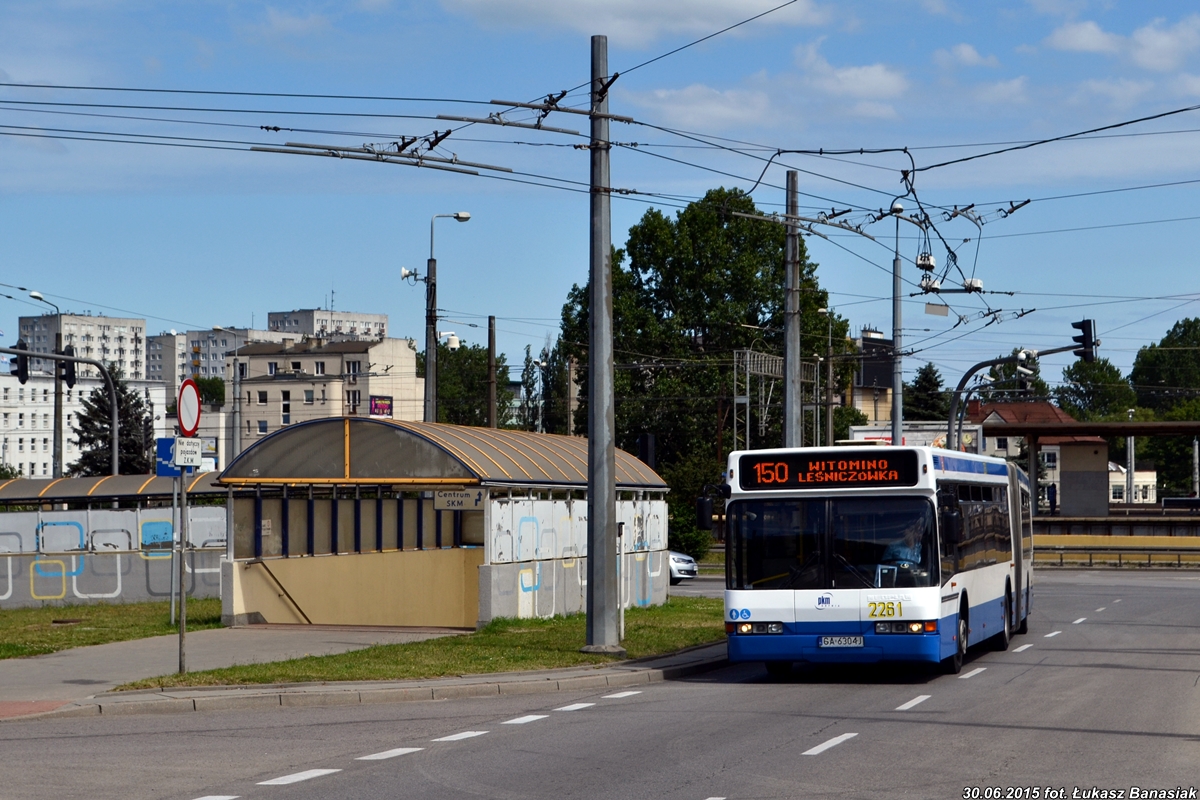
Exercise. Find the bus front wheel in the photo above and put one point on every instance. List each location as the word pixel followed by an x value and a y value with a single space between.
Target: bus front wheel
pixel 953 664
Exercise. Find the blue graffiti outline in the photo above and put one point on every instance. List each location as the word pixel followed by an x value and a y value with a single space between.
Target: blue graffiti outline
pixel 82 549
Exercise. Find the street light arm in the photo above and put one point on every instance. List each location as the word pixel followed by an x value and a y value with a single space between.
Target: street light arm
pixel 951 443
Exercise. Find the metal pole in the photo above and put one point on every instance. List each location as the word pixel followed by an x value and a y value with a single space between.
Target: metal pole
pixel 237 403
pixel 431 333
pixel 602 597
pixel 897 361
pixel 184 474
pixel 174 535
pixel 829 383
pixel 58 401
pixel 1195 466
pixel 492 410
pixel 1129 444
pixel 793 413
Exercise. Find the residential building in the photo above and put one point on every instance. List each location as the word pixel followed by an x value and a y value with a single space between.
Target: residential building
pixel 171 356
pixel 27 419
pixel 1145 486
pixel 299 380
pixel 871 392
pixel 328 324
pixel 120 340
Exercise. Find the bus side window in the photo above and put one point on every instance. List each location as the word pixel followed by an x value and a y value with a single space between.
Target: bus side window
pixel 948 502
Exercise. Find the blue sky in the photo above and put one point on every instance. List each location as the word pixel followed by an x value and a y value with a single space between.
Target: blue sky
pixel 193 237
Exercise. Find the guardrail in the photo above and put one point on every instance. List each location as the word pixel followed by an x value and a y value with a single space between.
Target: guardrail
pixel 1121 551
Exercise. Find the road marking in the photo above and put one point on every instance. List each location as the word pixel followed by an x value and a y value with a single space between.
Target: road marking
pixel 399 751
pixel 575 707
pixel 1051 634
pixel 298 776
pixel 834 742
pixel 525 719
pixel 1022 648
pixel 921 698
pixel 1117 600
pixel 1081 619
pixel 972 673
pixel 1101 608
pixel 458 737
pixel 219 797
pixel 619 695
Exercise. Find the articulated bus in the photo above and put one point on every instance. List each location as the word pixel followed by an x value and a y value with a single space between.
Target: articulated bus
pixel 870 554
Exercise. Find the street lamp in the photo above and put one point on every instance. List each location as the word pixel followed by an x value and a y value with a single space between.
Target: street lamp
pixel 236 386
pixel 431 337
pixel 58 409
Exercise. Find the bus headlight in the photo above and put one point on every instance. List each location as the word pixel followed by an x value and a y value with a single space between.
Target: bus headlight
pixel 925 626
pixel 745 627
pixel 756 627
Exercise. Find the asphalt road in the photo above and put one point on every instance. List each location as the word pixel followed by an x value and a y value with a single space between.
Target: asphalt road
pixel 1103 692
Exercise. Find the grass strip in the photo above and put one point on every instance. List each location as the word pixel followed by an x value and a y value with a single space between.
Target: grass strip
pixel 502 646
pixel 37 631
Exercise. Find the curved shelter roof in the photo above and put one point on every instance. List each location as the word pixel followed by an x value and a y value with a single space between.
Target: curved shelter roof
pixel 108 487
pixel 349 450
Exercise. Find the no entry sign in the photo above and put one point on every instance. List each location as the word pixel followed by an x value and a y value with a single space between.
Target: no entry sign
pixel 188 408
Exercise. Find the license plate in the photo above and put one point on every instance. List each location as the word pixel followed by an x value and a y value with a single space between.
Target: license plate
pixel 841 641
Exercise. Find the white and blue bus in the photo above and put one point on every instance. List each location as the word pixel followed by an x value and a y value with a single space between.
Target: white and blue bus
pixel 870 554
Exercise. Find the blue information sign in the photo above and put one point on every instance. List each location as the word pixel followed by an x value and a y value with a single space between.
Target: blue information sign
pixel 164 461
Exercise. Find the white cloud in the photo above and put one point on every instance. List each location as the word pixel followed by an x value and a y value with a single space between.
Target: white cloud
pixel 963 55
pixel 636 23
pixel 1085 37
pixel 1004 92
pixel 705 107
pixel 868 82
pixel 1163 49
pixel 1122 93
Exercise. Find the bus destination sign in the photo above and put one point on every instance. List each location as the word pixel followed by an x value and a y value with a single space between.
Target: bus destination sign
pixel 826 469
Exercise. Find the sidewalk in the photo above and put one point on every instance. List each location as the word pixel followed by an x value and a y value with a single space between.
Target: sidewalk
pixel 78 682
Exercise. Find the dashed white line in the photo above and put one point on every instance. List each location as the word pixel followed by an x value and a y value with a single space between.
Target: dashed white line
pixel 972 673
pixel 1117 600
pixel 458 737
pixel 714 798
pixel 399 751
pixel 1081 619
pixel 1098 610
pixel 834 742
pixel 219 797
pixel 575 707
pixel 296 777
pixel 921 698
pixel 525 719
pixel 619 695
pixel 1051 634
pixel 1022 648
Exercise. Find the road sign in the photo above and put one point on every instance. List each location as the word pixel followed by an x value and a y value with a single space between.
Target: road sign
pixel 188 408
pixel 458 501
pixel 188 452
pixel 164 461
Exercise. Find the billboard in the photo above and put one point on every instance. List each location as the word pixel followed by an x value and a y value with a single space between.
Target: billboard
pixel 381 406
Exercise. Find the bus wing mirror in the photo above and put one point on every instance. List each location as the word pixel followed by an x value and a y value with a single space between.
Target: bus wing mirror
pixel 952 525
pixel 704 513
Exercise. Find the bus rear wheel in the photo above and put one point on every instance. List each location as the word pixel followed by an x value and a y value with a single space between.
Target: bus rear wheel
pixel 953 664
pixel 1000 640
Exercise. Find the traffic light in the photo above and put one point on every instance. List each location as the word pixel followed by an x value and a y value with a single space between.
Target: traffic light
pixel 20 363
pixel 68 367
pixel 1086 340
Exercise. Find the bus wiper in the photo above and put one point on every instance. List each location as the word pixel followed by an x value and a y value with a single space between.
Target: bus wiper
pixel 855 571
pixel 795 573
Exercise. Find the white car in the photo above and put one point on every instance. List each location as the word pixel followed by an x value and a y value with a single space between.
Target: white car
pixel 683 567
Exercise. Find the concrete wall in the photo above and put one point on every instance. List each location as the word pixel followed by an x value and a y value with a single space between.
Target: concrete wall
pixel 1083 474
pixel 436 588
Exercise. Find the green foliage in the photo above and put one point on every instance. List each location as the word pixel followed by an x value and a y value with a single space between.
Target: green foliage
pixel 8 472
pixel 843 418
pixel 93 431
pixel 1096 390
pixel 463 386
pixel 926 399
pixel 1172 455
pixel 695 289
pixel 1169 372
pixel 212 390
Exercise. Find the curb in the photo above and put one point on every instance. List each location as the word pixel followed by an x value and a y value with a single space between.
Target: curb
pixel 228 699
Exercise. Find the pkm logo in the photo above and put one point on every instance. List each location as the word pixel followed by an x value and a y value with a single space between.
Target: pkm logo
pixel 824 601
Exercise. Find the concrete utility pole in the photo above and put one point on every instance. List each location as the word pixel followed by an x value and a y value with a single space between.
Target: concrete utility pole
pixel 431 331
pixel 897 359
pixel 1129 445
pixel 492 410
pixel 603 635
pixel 829 381
pixel 793 401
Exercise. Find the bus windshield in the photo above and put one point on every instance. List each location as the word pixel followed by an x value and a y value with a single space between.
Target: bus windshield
pixel 828 543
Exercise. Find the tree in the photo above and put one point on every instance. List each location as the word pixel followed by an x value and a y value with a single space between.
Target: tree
pixel 1172 455
pixel 843 418
pixel 94 431
pixel 8 472
pixel 463 386
pixel 926 399
pixel 1094 390
pixel 1168 373
pixel 530 408
pixel 695 289
pixel 212 390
